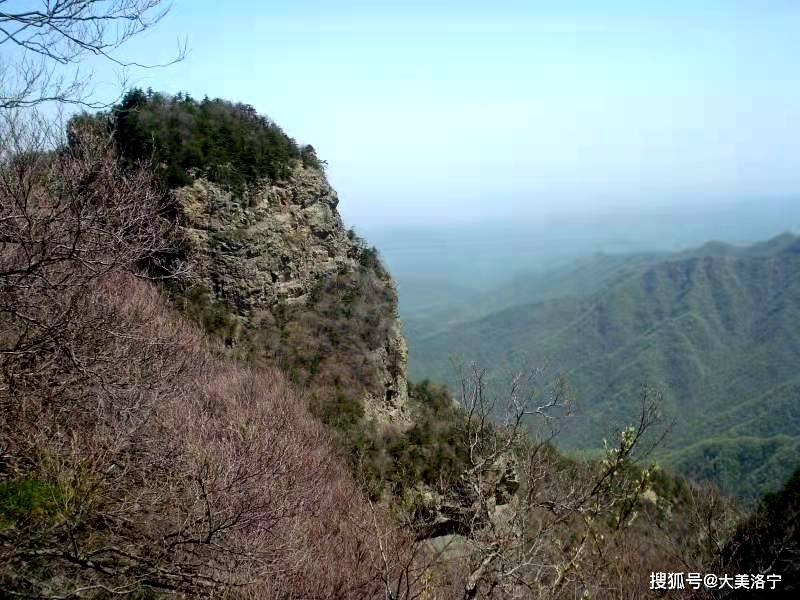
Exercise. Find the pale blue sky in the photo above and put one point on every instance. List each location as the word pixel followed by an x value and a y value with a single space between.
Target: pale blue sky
pixel 448 111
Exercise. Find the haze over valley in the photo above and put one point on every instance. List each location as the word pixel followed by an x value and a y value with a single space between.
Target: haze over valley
pixel 441 267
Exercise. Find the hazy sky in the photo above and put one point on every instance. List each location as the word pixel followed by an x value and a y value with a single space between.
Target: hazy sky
pixel 432 111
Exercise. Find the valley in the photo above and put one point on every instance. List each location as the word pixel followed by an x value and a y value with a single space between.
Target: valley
pixel 714 329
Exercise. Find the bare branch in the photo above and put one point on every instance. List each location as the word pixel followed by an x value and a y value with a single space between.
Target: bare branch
pixel 53 41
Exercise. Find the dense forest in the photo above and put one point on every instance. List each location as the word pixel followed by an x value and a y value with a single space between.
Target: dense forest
pixel 715 329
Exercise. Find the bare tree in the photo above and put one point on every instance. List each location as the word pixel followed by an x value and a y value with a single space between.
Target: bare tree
pixel 68 217
pixel 44 43
pixel 521 520
pixel 537 522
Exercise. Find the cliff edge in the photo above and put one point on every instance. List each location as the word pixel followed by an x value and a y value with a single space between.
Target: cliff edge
pixel 280 258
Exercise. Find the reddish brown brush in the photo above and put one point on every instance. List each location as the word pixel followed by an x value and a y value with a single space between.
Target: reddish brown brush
pixel 154 464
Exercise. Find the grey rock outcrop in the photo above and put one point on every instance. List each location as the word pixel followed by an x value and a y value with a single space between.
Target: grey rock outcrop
pixel 276 244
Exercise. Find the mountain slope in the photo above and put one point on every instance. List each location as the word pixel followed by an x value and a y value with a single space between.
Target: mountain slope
pixel 272 270
pixel 135 460
pixel 716 329
pixel 584 277
pixel 144 456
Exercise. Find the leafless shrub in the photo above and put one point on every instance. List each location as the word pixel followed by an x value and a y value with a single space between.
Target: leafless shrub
pixel 534 524
pixel 179 473
pixel 69 217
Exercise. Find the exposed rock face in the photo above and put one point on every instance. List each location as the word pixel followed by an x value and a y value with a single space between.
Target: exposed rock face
pixel 392 359
pixel 276 245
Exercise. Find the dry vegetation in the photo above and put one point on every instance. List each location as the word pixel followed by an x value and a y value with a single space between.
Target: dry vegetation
pixel 131 458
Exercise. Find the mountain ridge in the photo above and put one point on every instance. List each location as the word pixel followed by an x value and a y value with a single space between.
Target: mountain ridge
pixel 710 327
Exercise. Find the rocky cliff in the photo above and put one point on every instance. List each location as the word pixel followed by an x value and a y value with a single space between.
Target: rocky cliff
pixel 279 252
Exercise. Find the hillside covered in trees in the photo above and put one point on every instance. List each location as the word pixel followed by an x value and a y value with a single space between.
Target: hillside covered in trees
pixel 715 329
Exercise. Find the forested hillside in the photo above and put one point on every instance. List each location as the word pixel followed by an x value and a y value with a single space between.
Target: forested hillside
pixel 716 329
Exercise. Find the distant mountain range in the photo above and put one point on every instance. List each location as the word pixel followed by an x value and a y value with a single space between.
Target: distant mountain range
pixel 716 329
